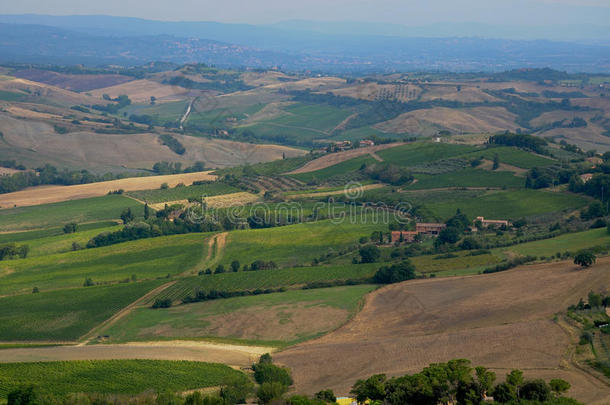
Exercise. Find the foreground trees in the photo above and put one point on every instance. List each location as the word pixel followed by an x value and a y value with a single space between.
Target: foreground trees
pixel 456 382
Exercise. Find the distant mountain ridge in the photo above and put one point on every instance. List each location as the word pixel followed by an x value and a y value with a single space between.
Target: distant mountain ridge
pixel 120 40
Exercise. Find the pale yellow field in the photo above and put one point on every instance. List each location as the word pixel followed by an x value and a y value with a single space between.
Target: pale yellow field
pixel 140 91
pixel 50 194
pixel 431 121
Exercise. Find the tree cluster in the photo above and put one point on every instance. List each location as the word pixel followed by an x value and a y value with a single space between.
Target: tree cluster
pixel 456 382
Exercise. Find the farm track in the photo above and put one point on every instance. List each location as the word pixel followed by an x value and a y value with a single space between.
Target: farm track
pixel 332 159
pixel 502 321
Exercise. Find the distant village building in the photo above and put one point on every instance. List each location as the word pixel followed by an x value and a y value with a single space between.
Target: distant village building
pixel 404 236
pixel 487 222
pixel 586 177
pixel 366 143
pixel 429 228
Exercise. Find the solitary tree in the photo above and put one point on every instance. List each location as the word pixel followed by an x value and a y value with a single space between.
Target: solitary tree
pixel 584 258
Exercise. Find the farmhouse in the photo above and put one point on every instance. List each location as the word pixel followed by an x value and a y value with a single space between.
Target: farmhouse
pixel 586 177
pixel 487 222
pixel 429 228
pixel 403 236
pixel 366 143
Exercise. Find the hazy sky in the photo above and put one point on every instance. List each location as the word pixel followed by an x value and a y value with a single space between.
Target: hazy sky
pixel 405 12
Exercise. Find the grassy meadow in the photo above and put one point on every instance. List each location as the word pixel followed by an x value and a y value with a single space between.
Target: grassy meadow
pixel 342 168
pixel 295 245
pixel 422 152
pixel 512 156
pixel 512 204
pixel 467 178
pixel 571 242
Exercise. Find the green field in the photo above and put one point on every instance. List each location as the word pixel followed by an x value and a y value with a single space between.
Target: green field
pixel 294 245
pixel 63 243
pixel 571 242
pixel 58 214
pixel 183 193
pixel 65 315
pixel 434 264
pixel 20 237
pixel 342 168
pixel 512 156
pixel 467 178
pixel 162 112
pixel 262 279
pixel 113 376
pixel 508 204
pixel 301 122
pixel 11 96
pixel 423 152
pixel 146 258
pixel 224 318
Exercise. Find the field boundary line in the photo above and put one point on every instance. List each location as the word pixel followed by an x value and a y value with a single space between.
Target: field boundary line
pixel 123 312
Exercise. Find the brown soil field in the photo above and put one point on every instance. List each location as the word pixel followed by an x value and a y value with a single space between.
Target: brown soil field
pixel 50 194
pixel 502 321
pixel 140 91
pixel 37 143
pixel 72 82
pixel 286 322
pixel 430 121
pixel 234 355
pixel 333 158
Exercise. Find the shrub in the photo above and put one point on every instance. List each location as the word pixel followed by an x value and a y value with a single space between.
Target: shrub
pixel 584 258
pixel 162 303
pixel 395 273
pixel 369 254
pixel 269 391
pixel 70 228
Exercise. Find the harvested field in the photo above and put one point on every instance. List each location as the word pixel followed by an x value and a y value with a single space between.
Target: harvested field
pixel 234 355
pixel 37 143
pixel 502 320
pixel 36 91
pixel 329 193
pixel 140 91
pixel 473 120
pixel 50 194
pixel 467 94
pixel 334 158
pixel 70 81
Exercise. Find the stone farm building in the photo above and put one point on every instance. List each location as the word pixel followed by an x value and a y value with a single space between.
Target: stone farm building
pixel 487 222
pixel 429 228
pixel 404 236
